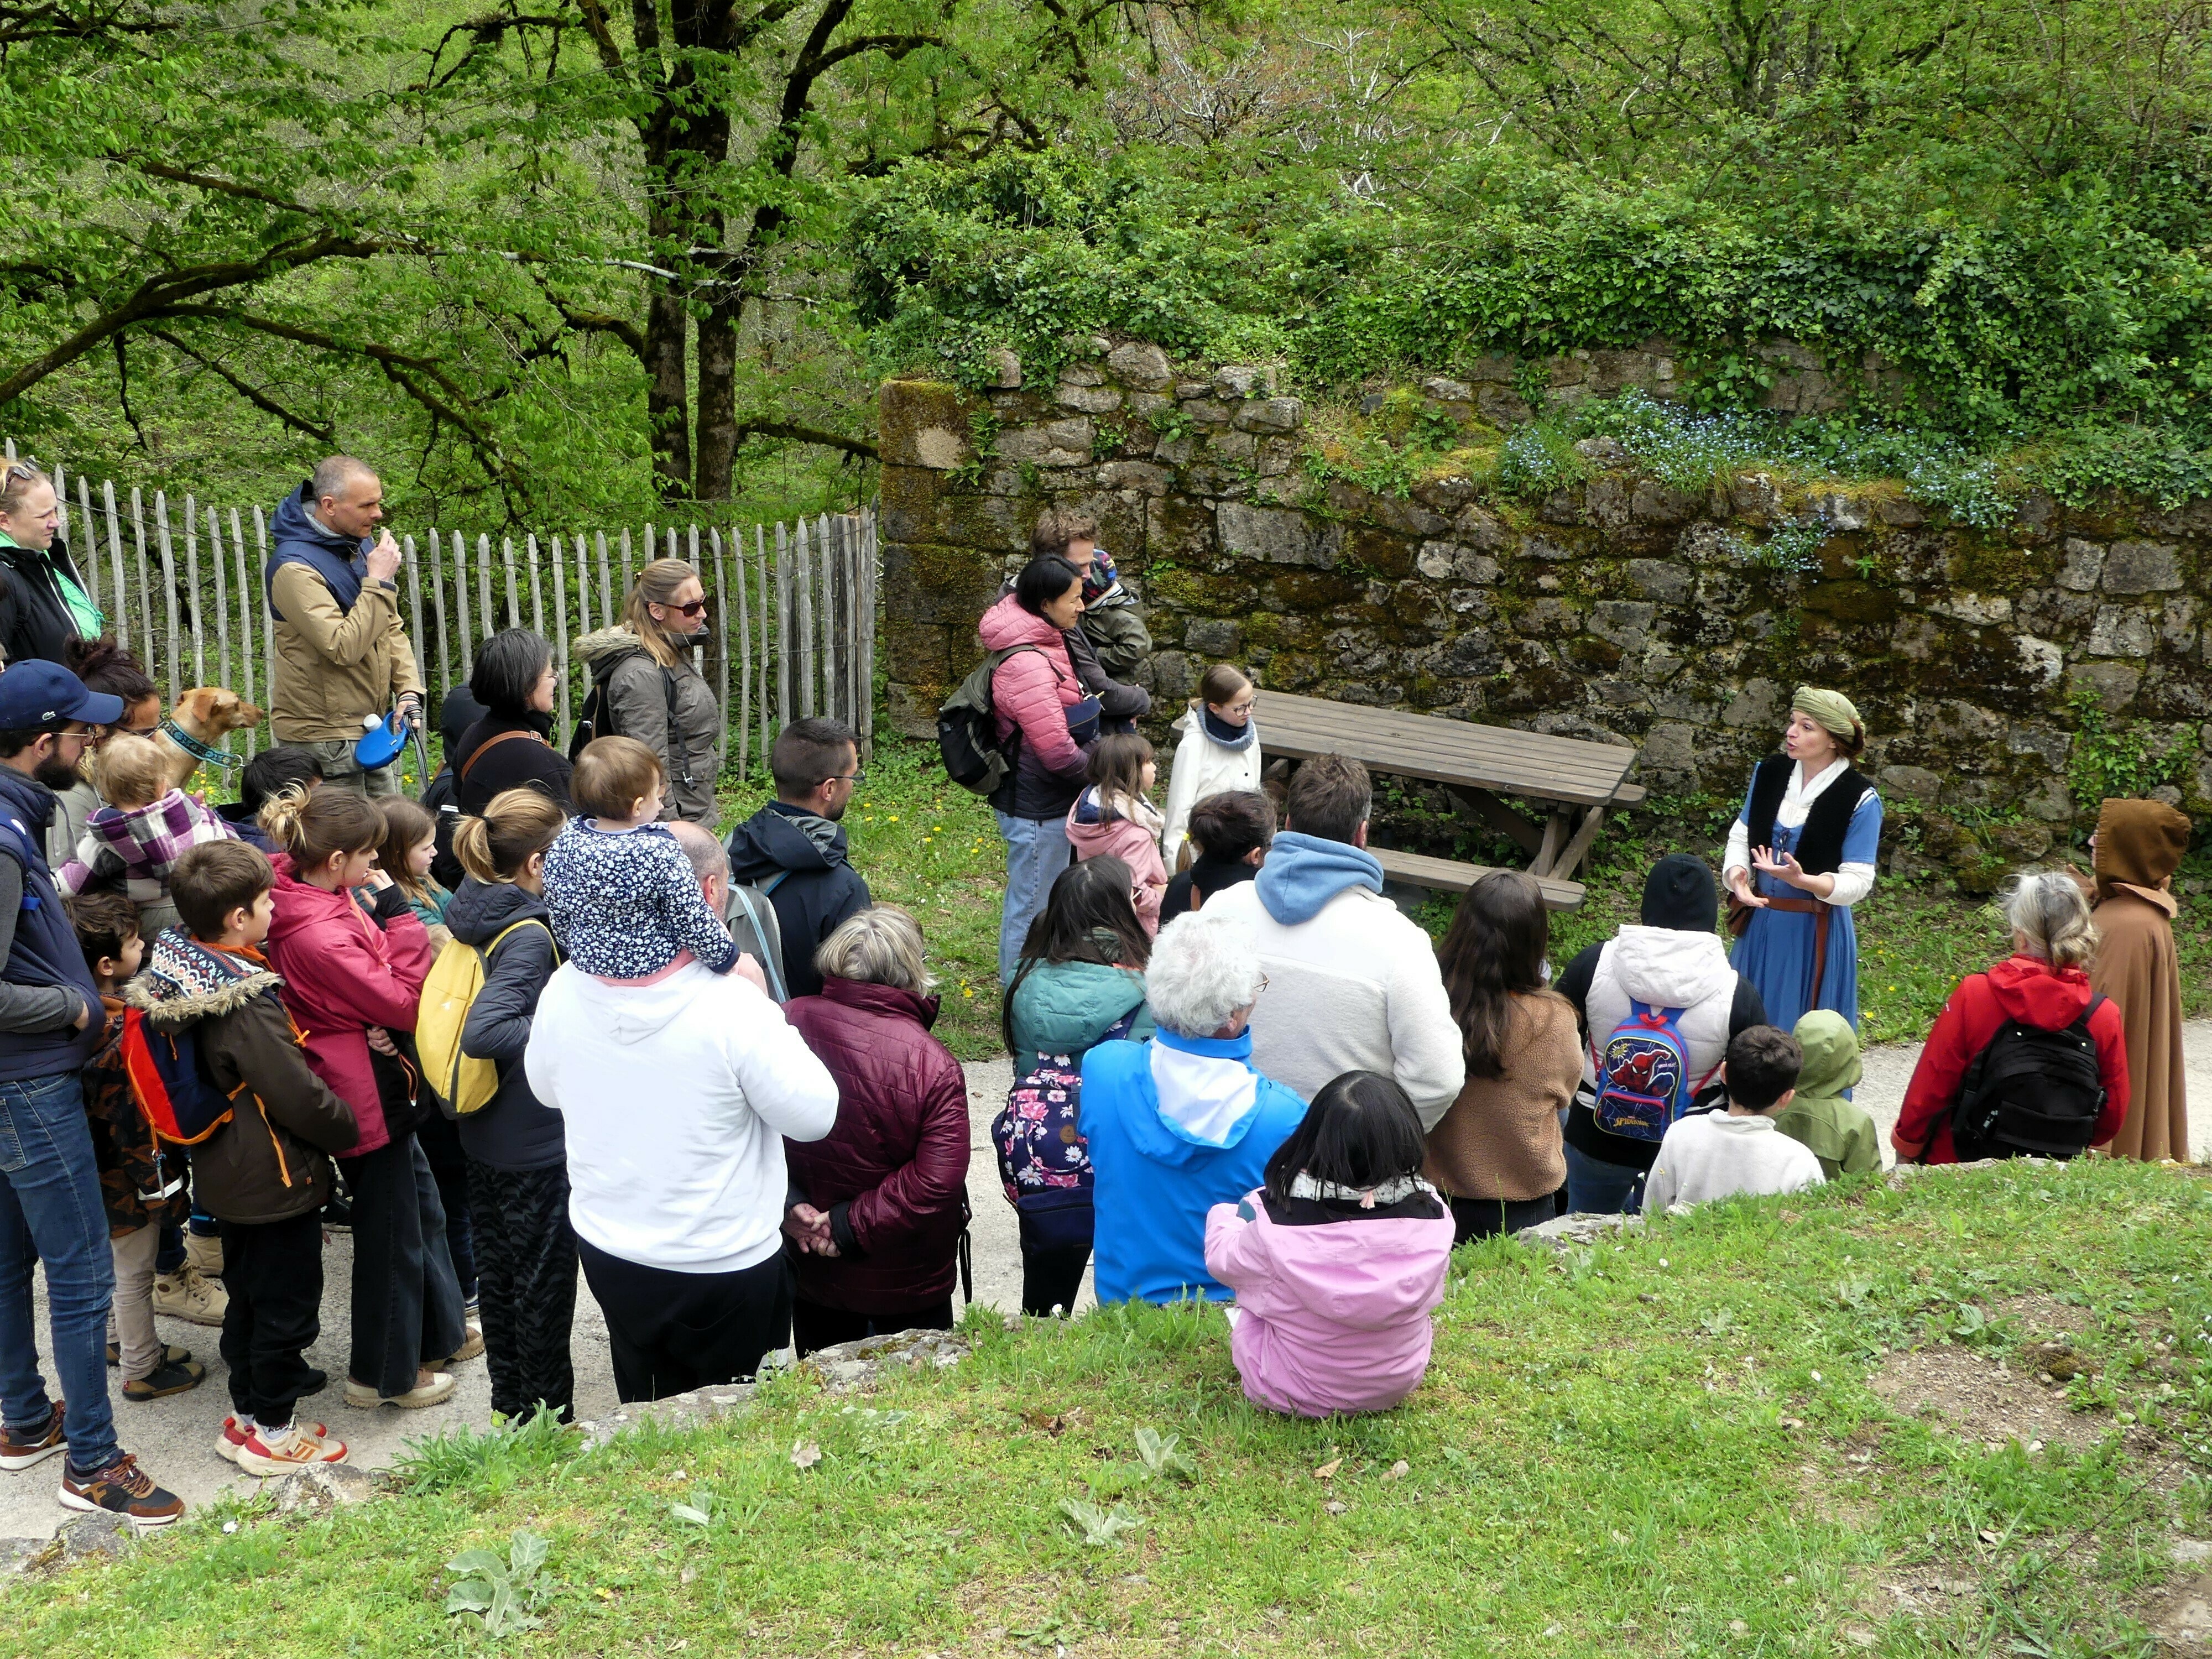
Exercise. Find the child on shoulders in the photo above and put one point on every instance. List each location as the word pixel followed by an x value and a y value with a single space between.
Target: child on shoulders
pixel 145 828
pixel 142 1183
pixel 265 1171
pixel 1115 815
pixel 1338 1262
pixel 1838 1131
pixel 1721 1154
pixel 624 901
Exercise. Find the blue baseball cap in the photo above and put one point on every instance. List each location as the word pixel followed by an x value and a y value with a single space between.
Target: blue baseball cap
pixel 37 696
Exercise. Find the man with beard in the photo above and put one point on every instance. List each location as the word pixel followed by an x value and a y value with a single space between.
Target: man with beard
pixel 793 850
pixel 51 1023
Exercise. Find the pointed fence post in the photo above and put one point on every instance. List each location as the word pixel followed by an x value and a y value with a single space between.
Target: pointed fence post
pixel 483 586
pixel 507 557
pixel 583 585
pixel 560 635
pixel 461 601
pixel 192 589
pixel 783 714
pixel 268 615
pixel 606 603
pixel 168 588
pixel 415 630
pixel 625 564
pixel 145 591
pixel 537 594
pixel 245 618
pixel 719 594
pixel 221 599
pixel 438 605
pixel 114 553
pixel 759 563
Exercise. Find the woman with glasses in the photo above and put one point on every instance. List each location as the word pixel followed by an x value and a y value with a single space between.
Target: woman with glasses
pixel 44 608
pixel 647 688
pixel 1220 751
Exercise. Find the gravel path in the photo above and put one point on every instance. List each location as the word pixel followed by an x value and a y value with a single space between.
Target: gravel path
pixel 175 1438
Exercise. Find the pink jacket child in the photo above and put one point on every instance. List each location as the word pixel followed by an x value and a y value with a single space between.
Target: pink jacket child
pixel 1129 829
pixel 1333 1314
pixel 344 974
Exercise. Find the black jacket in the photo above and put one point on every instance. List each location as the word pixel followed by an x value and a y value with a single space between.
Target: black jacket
pixel 1210 876
pixel 34 619
pixel 528 762
pixel 515 1131
pixel 815 889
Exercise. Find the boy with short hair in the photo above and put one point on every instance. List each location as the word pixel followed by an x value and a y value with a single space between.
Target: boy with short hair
pixel 142 1183
pixel 268 774
pixel 1720 1154
pixel 265 1172
pixel 1839 1131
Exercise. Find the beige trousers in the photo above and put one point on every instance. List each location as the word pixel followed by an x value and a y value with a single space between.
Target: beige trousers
pixel 131 1319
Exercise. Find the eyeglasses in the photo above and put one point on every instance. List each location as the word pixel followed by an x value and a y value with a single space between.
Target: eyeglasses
pixel 1262 991
pixel 856 777
pixel 1243 705
pixel 82 733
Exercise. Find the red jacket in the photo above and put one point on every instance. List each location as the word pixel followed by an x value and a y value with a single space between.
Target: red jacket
pixel 2025 988
pixel 897 1162
pixel 344 974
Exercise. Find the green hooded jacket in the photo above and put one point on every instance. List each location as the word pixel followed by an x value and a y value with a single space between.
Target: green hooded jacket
pixel 1064 1007
pixel 1837 1131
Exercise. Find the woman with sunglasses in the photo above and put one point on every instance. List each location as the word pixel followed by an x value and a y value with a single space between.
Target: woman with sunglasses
pixel 44 607
pixel 648 690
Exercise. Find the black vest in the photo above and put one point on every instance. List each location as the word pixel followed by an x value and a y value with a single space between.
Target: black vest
pixel 1820 843
pixel 44 950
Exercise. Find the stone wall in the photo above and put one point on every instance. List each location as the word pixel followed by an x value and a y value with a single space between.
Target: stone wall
pixel 1619 610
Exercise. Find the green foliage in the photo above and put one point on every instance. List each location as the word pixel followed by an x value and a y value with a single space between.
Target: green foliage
pixel 502 1596
pixel 2110 759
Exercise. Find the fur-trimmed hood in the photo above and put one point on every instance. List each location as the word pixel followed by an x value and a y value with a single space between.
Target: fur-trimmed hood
pixel 184 982
pixel 607 642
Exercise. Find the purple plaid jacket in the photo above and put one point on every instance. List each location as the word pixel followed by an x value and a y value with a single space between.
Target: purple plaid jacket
pixel 143 845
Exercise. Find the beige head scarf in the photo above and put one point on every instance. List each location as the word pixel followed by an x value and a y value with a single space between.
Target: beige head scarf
pixel 1832 709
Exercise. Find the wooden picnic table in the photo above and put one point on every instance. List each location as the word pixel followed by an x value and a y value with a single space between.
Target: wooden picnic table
pixel 1577 782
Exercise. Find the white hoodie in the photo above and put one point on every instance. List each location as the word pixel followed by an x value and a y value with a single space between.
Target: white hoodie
pixel 1664 967
pixel 676 1097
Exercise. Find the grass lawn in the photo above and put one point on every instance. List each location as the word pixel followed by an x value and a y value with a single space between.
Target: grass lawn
pixel 1807 1425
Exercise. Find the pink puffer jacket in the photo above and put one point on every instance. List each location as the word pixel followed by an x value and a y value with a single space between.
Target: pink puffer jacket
pixel 1093 832
pixel 1034 690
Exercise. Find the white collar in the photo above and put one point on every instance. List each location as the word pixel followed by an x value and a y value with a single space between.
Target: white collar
pixel 1740 1126
pixel 1207 1095
pixel 1802 788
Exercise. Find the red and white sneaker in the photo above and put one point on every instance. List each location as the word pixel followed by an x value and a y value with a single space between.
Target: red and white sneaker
pixel 233 1436
pixel 292 1447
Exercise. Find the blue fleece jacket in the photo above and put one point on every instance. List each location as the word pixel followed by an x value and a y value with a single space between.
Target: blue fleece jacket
pixel 1302 873
pixel 1154 1181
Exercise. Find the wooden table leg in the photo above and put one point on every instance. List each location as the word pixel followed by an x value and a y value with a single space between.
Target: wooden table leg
pixel 1555 831
pixel 1486 808
pixel 1579 847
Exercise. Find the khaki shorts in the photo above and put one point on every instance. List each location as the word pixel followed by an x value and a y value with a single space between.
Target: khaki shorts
pixel 340 771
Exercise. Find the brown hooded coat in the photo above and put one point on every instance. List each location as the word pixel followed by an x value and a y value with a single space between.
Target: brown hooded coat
pixel 2139 846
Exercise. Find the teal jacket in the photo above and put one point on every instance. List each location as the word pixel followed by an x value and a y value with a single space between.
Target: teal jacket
pixel 1061 1008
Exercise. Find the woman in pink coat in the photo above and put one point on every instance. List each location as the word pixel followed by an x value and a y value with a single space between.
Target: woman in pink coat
pixel 1338 1262
pixel 1115 816
pixel 1047 723
pixel 353 978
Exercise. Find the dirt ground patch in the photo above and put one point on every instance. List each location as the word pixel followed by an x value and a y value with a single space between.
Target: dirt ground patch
pixel 1985 1400
pixel 2178 1614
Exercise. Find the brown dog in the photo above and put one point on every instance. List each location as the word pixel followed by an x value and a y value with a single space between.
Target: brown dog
pixel 207 715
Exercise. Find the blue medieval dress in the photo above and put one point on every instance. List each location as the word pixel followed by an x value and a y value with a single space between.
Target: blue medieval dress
pixel 1832 822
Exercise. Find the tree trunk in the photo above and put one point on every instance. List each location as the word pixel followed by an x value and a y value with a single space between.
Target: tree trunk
pixel 718 412
pixel 664 402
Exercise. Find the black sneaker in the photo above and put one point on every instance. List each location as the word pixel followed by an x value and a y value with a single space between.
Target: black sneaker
pixel 171 1354
pixel 318 1380
pixel 122 1488
pixel 166 1380
pixel 337 1216
pixel 21 1448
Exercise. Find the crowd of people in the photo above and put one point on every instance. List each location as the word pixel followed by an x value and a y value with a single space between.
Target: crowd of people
pixel 1242 1074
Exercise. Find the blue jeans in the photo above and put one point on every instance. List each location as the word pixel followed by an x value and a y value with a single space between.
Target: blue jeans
pixel 50 1211
pixel 1597 1188
pixel 1036 852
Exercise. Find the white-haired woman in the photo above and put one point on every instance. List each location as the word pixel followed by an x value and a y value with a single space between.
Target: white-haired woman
pixel 885 1193
pixel 44 608
pixel 641 669
pixel 2043 989
pixel 1182 1122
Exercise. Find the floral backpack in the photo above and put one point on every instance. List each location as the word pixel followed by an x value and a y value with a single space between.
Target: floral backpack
pixel 1043 1160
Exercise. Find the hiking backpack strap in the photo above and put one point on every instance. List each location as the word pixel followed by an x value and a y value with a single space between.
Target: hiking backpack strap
pixel 775 975
pixel 492 742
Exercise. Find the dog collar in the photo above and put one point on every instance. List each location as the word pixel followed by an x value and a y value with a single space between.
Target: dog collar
pixel 205 754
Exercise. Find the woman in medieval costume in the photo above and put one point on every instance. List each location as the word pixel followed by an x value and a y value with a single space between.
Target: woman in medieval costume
pixel 2137 848
pixel 1800 855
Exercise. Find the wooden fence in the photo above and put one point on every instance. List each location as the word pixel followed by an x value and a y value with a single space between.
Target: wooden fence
pixel 791 608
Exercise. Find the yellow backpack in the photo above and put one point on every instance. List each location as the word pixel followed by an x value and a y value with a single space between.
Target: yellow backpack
pixel 465 1084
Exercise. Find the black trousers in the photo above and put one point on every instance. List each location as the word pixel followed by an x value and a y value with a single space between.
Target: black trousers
pixel 670 1332
pixel 1050 1277
pixel 406 1301
pixel 526 1258
pixel 273 1271
pixel 814 1326
pixel 441 1144
pixel 1485 1217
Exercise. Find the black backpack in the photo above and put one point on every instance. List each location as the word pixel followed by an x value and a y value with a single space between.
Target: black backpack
pixel 968 730
pixel 596 719
pixel 2031 1091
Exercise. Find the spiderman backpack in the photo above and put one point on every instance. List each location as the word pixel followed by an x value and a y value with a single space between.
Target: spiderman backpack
pixel 170 1081
pixel 1642 1074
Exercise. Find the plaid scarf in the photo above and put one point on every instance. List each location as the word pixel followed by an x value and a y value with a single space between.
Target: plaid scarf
pixel 146 841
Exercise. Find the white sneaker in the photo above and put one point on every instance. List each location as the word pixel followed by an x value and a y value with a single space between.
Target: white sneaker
pixel 187 1294
pixel 439 1387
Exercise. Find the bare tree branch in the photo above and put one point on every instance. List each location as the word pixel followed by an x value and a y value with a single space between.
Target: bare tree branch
pixel 323 433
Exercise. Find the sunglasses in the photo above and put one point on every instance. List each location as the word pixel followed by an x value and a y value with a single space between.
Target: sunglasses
pixel 696 608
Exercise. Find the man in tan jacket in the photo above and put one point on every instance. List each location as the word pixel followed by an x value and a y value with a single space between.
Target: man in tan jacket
pixel 342 653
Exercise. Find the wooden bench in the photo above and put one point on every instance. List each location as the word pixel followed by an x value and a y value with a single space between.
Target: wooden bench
pixel 1579 782
pixel 1450 876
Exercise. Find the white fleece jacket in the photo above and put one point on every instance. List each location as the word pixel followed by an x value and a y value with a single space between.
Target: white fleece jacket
pixel 1202 768
pixel 1712 1155
pixel 1356 988
pixel 676 1097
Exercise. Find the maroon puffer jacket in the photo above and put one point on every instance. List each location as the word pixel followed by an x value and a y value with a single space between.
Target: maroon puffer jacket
pixel 897 1160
